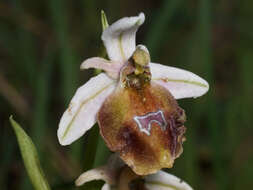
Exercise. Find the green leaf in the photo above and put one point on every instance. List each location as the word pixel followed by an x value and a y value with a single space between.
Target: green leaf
pixel 30 157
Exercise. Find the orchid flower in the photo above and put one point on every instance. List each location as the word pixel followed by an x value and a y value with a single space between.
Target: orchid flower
pixel 117 176
pixel 134 102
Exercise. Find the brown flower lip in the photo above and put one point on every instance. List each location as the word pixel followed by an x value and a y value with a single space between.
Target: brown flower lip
pixel 142 121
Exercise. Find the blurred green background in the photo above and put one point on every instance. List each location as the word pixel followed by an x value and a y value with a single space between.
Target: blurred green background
pixel 43 42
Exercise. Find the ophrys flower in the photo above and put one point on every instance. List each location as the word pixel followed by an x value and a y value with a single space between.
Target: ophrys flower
pixel 134 102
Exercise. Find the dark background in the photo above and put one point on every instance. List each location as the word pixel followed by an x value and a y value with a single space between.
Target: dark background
pixel 43 42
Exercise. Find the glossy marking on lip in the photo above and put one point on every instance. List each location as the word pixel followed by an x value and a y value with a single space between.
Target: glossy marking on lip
pixel 144 122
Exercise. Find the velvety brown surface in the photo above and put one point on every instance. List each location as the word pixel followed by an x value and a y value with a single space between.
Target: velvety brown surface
pixel 142 152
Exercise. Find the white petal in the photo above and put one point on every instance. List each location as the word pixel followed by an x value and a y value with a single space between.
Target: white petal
pixel 119 38
pixel 106 187
pixel 181 83
pixel 81 113
pixel 112 68
pixel 164 181
pixel 109 172
pixel 94 174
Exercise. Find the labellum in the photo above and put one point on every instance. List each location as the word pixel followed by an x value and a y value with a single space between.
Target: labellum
pixel 141 119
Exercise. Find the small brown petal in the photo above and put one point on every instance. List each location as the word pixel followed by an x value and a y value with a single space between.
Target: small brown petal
pixel 145 125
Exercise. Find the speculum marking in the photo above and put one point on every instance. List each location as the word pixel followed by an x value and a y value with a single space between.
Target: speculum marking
pixel 145 122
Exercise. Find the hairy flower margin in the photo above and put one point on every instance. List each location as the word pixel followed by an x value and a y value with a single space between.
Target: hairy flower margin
pixel 134 102
pixel 118 176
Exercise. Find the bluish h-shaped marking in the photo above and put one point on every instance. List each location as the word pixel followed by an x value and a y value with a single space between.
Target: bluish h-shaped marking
pixel 144 122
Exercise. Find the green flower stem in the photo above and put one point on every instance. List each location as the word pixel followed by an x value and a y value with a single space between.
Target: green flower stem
pixel 90 148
